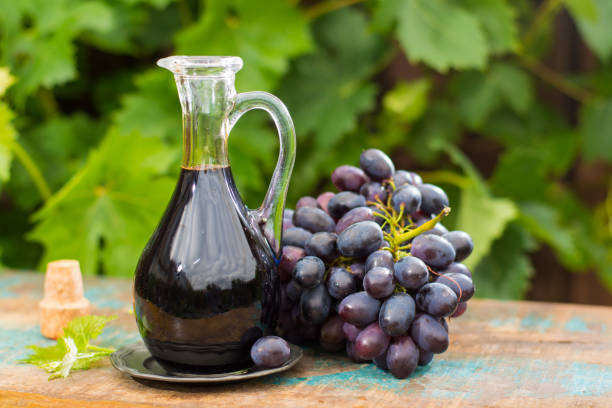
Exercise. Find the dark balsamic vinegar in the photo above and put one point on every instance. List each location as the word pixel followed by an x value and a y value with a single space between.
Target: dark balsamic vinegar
pixel 205 286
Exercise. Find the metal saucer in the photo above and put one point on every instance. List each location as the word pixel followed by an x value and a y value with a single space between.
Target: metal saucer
pixel 135 360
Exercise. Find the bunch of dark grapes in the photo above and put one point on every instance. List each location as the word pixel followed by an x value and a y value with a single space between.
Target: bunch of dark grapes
pixel 371 270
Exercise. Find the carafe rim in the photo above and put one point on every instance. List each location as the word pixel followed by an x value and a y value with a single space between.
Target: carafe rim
pixel 201 66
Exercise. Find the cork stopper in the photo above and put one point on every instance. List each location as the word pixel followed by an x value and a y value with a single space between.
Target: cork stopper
pixel 63 299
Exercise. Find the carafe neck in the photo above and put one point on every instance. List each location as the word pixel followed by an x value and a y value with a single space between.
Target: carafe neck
pixel 207 93
pixel 206 103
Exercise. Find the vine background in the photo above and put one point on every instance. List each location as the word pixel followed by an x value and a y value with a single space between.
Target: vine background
pixel 506 104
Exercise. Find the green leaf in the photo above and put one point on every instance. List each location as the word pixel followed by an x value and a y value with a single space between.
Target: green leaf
pixel 44 54
pixel 153 110
pixel 6 80
pixel 505 272
pixel 8 134
pixel 326 91
pixel 408 100
pixel 84 328
pixel 594 245
pixel 72 351
pixel 594 26
pixel 520 175
pixel 498 22
pixel 544 222
pixel 60 145
pixel 7 138
pixel 266 37
pixel 596 130
pixel 439 126
pixel 439 33
pixel 480 94
pixel 584 9
pixel 106 212
pixel 484 218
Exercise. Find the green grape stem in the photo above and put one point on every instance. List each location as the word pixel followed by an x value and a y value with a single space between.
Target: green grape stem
pixel 423 227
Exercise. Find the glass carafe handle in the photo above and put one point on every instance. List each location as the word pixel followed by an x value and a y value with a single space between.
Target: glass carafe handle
pixel 270 214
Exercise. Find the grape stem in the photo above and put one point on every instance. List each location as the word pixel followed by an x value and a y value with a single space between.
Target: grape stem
pixel 423 227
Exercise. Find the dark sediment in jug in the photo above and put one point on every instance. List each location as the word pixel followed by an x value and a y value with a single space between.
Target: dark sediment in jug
pixel 205 287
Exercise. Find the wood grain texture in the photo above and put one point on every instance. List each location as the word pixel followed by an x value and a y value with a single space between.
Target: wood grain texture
pixel 505 354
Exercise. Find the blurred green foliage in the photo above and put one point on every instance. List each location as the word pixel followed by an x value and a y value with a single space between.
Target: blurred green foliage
pixel 89 127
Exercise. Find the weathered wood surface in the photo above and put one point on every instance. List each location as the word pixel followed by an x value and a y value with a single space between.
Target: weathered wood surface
pixel 507 354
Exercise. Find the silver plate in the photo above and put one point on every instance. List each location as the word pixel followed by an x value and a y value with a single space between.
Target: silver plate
pixel 135 360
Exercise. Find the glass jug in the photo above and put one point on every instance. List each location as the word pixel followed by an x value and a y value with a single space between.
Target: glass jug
pixel 206 285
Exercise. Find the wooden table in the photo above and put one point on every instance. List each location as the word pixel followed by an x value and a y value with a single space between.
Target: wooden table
pixel 508 354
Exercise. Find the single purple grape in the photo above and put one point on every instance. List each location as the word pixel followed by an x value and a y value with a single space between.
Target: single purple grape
pixel 323 200
pixel 359 309
pixel 354 216
pixel 348 178
pixel 378 282
pixel 402 357
pixel 457 267
pixel 290 255
pixel 306 201
pixel 331 331
pixel 401 177
pixel 374 191
pixel 461 308
pixel 270 352
pixel 371 342
pixel 350 331
pixel 462 242
pixel 376 164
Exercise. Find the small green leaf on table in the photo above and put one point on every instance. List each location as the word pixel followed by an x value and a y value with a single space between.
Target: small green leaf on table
pixel 72 351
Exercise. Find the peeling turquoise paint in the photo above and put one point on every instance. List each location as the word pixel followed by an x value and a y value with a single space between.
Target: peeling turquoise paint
pixel 536 322
pixel 115 337
pixel 499 322
pixel 13 343
pixel 104 298
pixel 567 378
pixel 7 283
pixel 576 324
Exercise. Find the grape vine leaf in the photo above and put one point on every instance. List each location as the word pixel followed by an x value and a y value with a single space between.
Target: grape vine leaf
pixel 7 130
pixel 140 28
pixel 59 147
pixel 520 175
pixel 482 93
pixel 44 55
pixel 106 212
pixel 327 90
pixel 596 129
pixel 594 244
pixel 498 22
pixel 439 126
pixel 585 9
pixel 439 33
pixel 594 26
pixel 544 222
pixel 505 271
pixel 266 37
pixel 408 100
pixel 6 80
pixel 480 214
pixel 153 109
pixel 484 218
pixel 72 351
